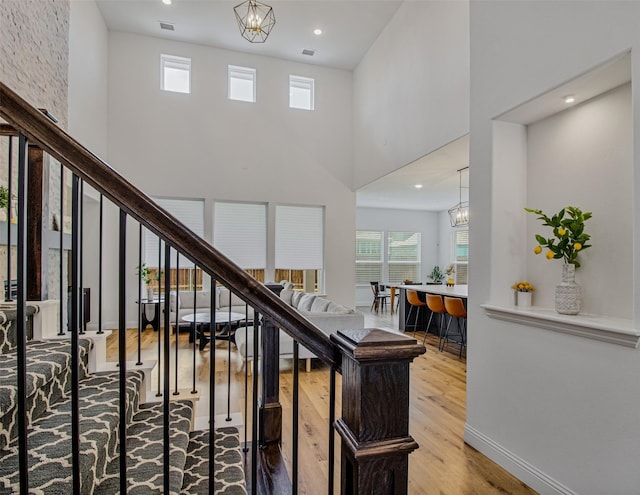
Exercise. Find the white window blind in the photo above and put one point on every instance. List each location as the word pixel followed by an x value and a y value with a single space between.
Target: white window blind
pixel 403 256
pixel 299 237
pixel 369 262
pixel 461 255
pixel 191 213
pixel 240 233
pixel 175 74
pixel 301 92
pixel 242 83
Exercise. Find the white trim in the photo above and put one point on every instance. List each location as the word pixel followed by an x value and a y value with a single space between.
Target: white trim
pixel 603 328
pixel 521 469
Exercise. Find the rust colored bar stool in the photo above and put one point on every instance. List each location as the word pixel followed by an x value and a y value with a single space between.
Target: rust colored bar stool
pixel 455 308
pixel 436 305
pixel 415 302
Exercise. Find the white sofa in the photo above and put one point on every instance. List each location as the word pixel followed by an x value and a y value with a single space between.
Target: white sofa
pixel 325 314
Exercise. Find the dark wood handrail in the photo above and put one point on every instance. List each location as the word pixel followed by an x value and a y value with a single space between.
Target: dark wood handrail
pixel 97 173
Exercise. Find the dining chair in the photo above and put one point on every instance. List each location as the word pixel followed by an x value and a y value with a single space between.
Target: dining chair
pixel 455 309
pixel 436 305
pixel 379 298
pixel 414 302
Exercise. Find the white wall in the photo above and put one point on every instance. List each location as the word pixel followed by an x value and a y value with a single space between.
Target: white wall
pixel 206 146
pixel 559 411
pixel 411 90
pixel 88 59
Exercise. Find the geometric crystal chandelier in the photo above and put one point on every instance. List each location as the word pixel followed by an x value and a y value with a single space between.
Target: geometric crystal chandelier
pixel 255 20
pixel 459 214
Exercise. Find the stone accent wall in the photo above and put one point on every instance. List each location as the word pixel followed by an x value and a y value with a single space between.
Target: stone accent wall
pixel 34 62
pixel 34 52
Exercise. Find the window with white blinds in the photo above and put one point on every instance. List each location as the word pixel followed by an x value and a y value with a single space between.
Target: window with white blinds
pixel 299 237
pixel 242 83
pixel 191 213
pixel 175 74
pixel 240 233
pixel 460 255
pixel 301 92
pixel 369 259
pixel 403 256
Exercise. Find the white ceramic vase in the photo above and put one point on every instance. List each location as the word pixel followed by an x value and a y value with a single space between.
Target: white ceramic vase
pixel 523 299
pixel 150 294
pixel 568 292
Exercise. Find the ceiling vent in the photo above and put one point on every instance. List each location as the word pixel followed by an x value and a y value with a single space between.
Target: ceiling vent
pixel 167 26
pixel 308 52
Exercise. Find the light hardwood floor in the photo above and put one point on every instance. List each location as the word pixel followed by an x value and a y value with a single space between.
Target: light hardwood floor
pixel 443 464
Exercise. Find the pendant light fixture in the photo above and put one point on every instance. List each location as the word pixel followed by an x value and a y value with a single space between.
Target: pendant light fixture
pixel 459 214
pixel 255 20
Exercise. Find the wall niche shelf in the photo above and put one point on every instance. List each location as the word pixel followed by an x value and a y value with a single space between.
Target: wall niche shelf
pixel 597 327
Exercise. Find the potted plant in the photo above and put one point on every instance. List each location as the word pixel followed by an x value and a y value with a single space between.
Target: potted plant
pixel 449 271
pixel 436 275
pixel 568 241
pixel 524 292
pixel 148 277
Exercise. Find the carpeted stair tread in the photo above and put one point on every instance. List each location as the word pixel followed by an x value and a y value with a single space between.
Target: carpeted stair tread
pixel 48 381
pixel 228 469
pixel 49 439
pixel 145 435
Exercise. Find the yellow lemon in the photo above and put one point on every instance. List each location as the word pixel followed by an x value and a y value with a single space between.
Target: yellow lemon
pixel 561 231
pixel 549 255
pixel 537 249
pixel 577 246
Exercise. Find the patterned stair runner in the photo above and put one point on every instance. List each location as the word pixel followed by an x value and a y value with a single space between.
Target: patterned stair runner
pixel 49 439
pixel 229 471
pixel 48 381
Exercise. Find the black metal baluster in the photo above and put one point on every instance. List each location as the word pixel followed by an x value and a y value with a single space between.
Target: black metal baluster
pixel 166 370
pixel 23 457
pixel 75 305
pixel 122 349
pixel 246 373
pixel 294 427
pixel 332 418
pixel 165 320
pixel 141 307
pixel 100 239
pixel 82 309
pixel 177 331
pixel 254 412
pixel 8 296
pixel 212 388
pixel 213 337
pixel 61 227
pixel 194 390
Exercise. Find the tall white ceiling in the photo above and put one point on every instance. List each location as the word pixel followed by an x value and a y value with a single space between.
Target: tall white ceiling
pixel 349 28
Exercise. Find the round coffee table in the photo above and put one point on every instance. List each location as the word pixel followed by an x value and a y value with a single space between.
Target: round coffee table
pixel 225 318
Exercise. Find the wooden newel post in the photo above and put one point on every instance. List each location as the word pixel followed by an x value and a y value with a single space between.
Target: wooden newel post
pixel 375 410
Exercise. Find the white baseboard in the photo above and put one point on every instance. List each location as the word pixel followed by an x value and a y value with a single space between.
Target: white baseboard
pixel 521 469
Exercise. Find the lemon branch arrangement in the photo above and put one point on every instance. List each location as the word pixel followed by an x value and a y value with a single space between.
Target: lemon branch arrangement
pixel 523 286
pixel 568 228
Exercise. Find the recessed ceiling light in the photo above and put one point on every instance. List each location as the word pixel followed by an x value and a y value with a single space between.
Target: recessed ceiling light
pixel 569 99
pixel 166 2
pixel 317 31
pixel 418 186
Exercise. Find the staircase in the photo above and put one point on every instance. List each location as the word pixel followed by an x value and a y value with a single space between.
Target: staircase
pixel 49 428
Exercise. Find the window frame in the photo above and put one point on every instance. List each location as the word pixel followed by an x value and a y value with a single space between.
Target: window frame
pixel 303 83
pixel 179 63
pixel 380 262
pixel 459 279
pixel 238 72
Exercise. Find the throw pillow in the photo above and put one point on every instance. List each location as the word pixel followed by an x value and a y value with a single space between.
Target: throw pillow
pixel 320 305
pixel 286 296
pixel 295 299
pixel 338 309
pixel 306 301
